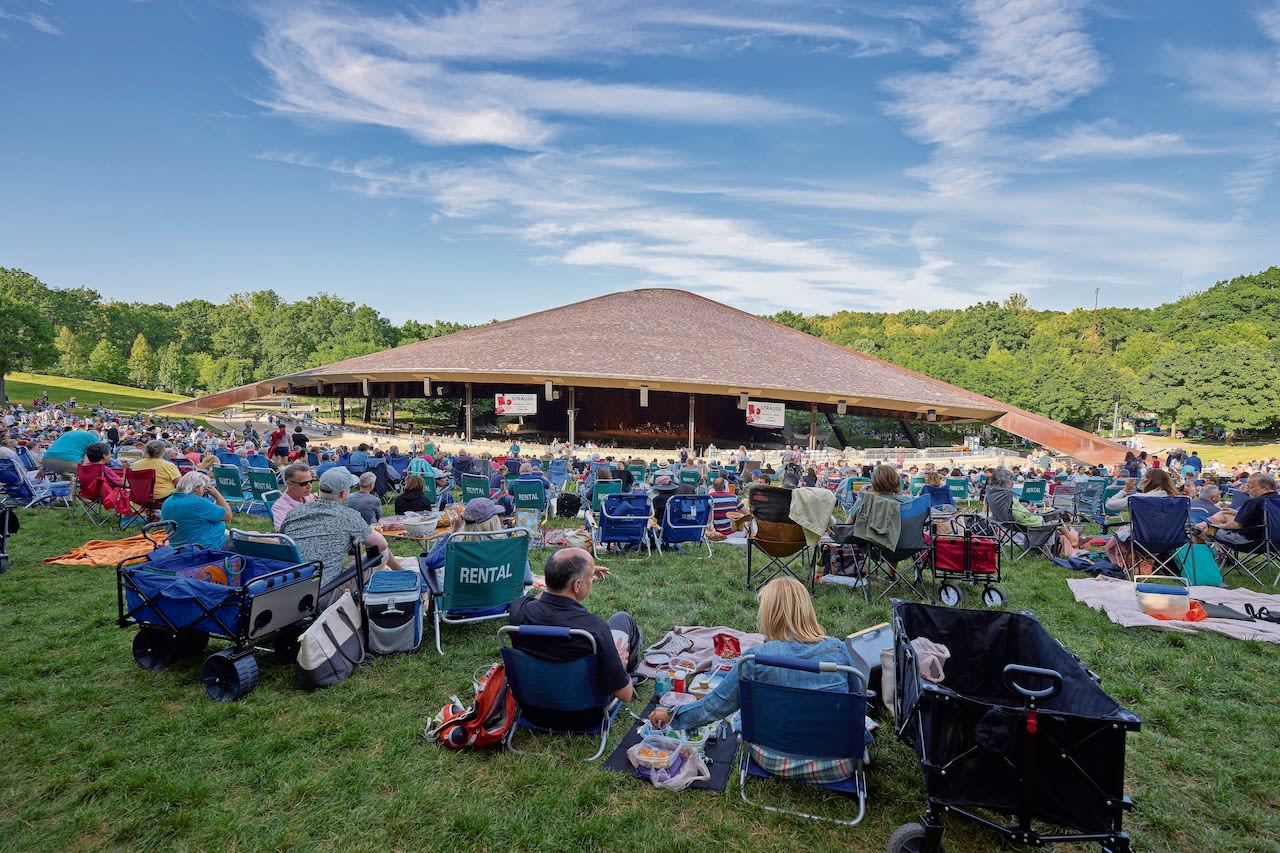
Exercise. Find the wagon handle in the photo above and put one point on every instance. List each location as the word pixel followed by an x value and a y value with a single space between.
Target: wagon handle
pixel 1014 669
pixel 169 527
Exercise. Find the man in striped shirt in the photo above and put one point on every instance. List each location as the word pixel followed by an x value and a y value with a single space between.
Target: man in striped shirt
pixel 723 502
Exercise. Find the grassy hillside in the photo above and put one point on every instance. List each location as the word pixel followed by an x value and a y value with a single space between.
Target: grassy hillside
pixel 25 387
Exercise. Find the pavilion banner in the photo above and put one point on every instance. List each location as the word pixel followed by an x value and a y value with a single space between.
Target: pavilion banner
pixel 511 405
pixel 766 414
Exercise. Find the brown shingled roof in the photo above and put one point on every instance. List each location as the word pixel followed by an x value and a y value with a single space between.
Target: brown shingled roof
pixel 670 340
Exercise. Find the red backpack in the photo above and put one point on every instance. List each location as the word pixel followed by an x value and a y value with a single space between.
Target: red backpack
pixel 485 723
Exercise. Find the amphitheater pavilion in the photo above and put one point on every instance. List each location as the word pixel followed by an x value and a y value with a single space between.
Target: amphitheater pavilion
pixel 662 362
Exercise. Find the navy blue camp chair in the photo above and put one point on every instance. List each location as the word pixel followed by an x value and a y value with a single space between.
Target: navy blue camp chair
pixel 1255 556
pixel 685 519
pixel 938 495
pixel 1238 497
pixel 1158 528
pixel 911 545
pixel 624 522
pixel 547 690
pixel 807 722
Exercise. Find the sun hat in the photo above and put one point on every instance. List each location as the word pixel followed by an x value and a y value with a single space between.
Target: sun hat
pixel 665 484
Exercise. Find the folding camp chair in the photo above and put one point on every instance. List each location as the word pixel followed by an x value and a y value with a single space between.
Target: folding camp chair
pixel 1158 528
pixel 689 477
pixel 685 519
pixel 24 456
pixel 483 574
pixel 261 482
pixel 474 486
pixel 257 460
pixel 549 691
pixel 8 526
pixel 1255 556
pixel 601 490
pixel 558 473
pixel 1033 492
pixel 804 722
pixel 911 544
pixel 623 521
pixel 230 485
pixel 1088 499
pixel 88 492
pixel 938 495
pixel 20 488
pixel 959 487
pixel 142 487
pixel 779 540
pixel 530 498
pixel 916 484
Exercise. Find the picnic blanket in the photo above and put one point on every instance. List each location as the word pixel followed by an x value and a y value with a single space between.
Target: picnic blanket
pixel 109 552
pixel 1115 597
pixel 719 756
pixel 702 650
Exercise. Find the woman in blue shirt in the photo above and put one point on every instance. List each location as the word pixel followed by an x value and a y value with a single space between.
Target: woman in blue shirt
pixel 791 630
pixel 200 521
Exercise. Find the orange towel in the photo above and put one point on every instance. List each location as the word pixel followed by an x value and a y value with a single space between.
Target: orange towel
pixel 108 552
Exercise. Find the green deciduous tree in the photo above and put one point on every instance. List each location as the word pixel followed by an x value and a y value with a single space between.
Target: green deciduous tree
pixel 26 339
pixel 107 363
pixel 142 363
pixel 174 370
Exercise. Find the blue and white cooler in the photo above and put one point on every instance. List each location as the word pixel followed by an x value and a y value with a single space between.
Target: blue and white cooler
pixel 393 610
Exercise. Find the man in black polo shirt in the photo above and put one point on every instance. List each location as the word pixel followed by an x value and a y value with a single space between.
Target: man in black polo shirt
pixel 570 572
pixel 1247 526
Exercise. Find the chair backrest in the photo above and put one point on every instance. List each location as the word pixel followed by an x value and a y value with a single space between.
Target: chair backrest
pixel 1159 524
pixel 770 503
pixel 271 546
pixel 625 509
pixel 809 722
pixel 1198 514
pixel 184 465
pixel 602 489
pixel 513 465
pixel 914 514
pixel 257 460
pixel 550 685
pixel 529 494
pixel 938 495
pixel 473 486
pixel 1271 521
pixel 638 472
pixel 690 477
pixel 959 487
pixel 313 458
pixel 686 517
pixel 142 484
pixel 14 483
pixel 261 481
pixel 24 456
pixel 89 480
pixel 917 484
pixel 226 457
pixel 1033 491
pixel 227 479
pixel 558 471
pixel 1238 497
pixel 484 570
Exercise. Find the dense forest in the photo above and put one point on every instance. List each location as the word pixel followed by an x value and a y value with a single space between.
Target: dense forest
pixel 1211 358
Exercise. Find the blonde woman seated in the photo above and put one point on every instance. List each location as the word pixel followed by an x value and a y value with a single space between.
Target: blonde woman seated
pixel 791 630
pixel 480 515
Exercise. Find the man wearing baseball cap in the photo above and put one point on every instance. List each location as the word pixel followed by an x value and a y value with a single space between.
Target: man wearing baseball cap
pixel 570 573
pixel 324 529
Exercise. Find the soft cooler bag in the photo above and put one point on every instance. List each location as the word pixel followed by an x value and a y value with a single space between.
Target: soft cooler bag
pixel 393 611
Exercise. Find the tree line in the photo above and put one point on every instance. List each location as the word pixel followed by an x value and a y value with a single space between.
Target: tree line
pixel 1211 358
pixel 1208 359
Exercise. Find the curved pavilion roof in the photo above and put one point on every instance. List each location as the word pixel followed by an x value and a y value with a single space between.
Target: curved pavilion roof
pixel 668 340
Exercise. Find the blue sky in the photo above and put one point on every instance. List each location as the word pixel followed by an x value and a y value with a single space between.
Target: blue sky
pixel 480 160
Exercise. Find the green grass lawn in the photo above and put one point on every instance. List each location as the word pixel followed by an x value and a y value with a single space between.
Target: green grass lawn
pixel 25 387
pixel 104 755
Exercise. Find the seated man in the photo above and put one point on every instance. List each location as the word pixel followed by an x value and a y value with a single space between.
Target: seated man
pixel 326 528
pixel 297 491
pixel 200 521
pixel 723 502
pixel 570 573
pixel 1245 527
pixel 365 501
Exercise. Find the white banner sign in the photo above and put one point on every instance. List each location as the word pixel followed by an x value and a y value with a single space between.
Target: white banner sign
pixel 510 405
pixel 766 414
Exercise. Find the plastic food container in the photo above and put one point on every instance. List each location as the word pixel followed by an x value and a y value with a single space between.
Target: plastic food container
pixel 1170 600
pixel 421 525
pixel 657 752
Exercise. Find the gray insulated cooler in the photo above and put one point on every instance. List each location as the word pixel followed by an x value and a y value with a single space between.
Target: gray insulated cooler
pixel 393 610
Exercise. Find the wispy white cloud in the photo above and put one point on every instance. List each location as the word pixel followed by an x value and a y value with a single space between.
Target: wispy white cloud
pixel 37 22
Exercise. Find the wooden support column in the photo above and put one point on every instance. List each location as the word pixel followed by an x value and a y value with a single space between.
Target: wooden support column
pixel 342 410
pixel 691 398
pixel 391 408
pixel 468 412
pixel 813 427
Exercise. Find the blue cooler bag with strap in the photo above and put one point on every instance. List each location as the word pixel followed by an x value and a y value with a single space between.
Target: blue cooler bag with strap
pixel 393 611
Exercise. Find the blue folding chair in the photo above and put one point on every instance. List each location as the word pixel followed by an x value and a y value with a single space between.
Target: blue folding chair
pixel 911 544
pixel 558 473
pixel 624 521
pixel 546 691
pixel 28 493
pixel 938 495
pixel 685 519
pixel 1158 528
pixel 805 723
pixel 1255 556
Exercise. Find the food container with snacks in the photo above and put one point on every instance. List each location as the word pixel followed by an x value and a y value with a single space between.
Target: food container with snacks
pixel 657 752
pixel 420 525
pixel 1162 595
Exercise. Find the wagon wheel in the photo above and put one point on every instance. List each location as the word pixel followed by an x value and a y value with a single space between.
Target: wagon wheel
pixel 155 648
pixel 993 596
pixel 227 677
pixel 949 595
pixel 909 838
pixel 285 644
pixel 191 643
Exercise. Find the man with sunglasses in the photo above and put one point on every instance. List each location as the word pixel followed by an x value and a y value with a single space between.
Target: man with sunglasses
pixel 297 491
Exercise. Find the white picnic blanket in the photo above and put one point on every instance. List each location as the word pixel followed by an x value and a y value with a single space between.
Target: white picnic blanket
pixel 1116 598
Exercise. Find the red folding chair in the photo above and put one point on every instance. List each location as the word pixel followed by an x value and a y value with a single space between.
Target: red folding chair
pixel 144 507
